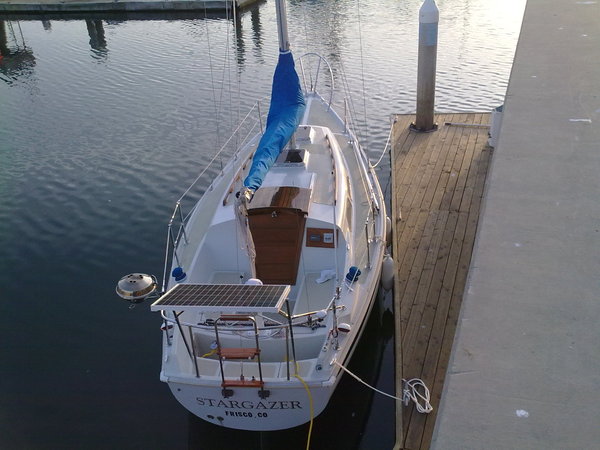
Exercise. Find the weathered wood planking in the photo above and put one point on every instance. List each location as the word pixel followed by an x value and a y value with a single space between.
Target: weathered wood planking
pixel 437 183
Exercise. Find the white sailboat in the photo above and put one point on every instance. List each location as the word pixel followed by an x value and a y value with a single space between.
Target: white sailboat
pixel 274 272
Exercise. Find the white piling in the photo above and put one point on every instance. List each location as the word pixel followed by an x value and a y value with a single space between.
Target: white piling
pixel 429 16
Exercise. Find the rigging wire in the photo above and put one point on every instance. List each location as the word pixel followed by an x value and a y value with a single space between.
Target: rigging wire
pixel 237 38
pixel 216 155
pixel 212 78
pixel 305 22
pixel 227 64
pixel 362 72
pixel 306 47
pixel 219 102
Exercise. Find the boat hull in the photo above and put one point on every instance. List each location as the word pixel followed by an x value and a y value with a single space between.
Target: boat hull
pixel 284 407
pixel 344 234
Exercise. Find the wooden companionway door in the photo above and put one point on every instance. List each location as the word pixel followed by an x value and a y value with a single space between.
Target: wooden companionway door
pixel 277 216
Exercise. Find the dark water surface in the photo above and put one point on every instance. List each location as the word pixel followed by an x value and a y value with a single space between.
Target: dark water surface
pixel 103 124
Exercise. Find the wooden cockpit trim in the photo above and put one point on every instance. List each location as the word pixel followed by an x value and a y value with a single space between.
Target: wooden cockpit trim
pixel 281 197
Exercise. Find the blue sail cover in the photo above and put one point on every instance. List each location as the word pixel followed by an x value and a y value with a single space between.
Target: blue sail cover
pixel 286 111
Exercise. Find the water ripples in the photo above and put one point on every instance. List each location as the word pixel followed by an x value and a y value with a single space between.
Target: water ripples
pixel 111 128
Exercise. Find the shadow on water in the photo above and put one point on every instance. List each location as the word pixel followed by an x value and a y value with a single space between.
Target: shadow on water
pixel 341 425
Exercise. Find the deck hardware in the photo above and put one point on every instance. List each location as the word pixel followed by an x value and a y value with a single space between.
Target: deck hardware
pixel 226 393
pixel 194 352
pixel 368 243
pixel 243 353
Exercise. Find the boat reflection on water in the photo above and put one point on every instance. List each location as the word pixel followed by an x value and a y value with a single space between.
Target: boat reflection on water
pixel 341 425
pixel 16 60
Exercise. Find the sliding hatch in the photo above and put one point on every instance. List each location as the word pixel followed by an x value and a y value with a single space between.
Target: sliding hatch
pixel 277 216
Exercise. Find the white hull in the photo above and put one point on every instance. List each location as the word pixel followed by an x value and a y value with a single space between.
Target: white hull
pixel 285 407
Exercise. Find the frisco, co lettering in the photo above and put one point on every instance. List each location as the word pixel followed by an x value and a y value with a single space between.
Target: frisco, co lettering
pixel 247 404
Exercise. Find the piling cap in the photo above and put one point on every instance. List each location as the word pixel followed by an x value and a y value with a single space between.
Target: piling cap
pixel 429 12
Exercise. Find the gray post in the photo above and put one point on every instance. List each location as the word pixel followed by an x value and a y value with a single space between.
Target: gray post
pixel 282 28
pixel 428 31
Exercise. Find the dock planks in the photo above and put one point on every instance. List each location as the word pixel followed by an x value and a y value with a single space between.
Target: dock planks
pixel 438 181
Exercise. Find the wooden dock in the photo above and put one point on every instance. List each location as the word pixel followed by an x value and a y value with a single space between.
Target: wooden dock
pixel 438 181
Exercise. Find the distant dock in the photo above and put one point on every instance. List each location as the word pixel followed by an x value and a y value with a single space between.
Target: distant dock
pixel 437 185
pixel 116 6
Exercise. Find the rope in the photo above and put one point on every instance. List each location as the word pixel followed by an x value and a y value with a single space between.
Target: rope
pixel 366 384
pixel 387 144
pixel 409 392
pixel 310 402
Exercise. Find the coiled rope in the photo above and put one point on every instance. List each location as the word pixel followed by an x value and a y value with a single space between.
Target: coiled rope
pixel 409 392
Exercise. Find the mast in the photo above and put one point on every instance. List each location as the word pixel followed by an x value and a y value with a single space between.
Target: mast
pixel 282 28
pixel 284 44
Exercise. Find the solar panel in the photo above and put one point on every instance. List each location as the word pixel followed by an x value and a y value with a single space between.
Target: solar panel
pixel 223 297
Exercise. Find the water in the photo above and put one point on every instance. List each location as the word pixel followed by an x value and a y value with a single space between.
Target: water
pixel 104 123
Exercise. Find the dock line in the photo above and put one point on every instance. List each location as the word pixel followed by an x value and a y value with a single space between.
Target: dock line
pixel 409 392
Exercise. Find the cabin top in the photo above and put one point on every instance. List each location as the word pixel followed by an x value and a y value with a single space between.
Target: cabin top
pixel 281 197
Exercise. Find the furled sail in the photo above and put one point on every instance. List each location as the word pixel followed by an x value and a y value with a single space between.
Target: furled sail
pixel 286 111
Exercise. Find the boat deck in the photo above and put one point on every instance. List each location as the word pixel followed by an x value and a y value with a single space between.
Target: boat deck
pixel 437 183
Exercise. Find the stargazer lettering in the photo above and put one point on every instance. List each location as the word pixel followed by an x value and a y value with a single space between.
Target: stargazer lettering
pixel 247 404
